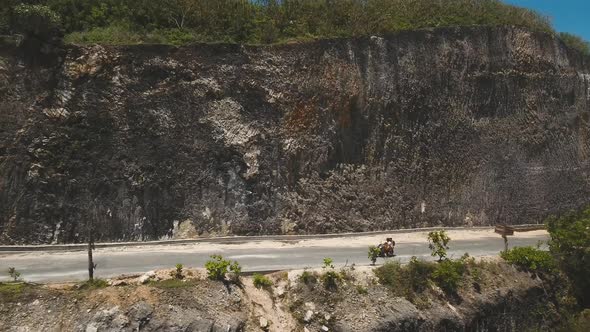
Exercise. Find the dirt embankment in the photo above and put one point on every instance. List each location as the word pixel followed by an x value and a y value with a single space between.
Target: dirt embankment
pixel 498 298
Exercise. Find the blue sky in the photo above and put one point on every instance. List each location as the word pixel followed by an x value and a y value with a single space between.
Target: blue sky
pixel 567 15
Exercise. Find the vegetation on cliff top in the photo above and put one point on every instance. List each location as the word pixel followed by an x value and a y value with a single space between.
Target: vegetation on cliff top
pixel 270 21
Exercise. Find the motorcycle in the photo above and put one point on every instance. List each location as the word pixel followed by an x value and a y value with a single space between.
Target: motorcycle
pixel 386 249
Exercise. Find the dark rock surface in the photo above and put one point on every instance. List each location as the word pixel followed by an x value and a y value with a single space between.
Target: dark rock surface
pixel 466 126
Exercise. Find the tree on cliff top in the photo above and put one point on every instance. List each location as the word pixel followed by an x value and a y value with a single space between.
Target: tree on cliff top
pixel 36 21
pixel 41 29
pixel 269 21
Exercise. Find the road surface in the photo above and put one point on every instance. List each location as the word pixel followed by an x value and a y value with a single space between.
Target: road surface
pixel 253 256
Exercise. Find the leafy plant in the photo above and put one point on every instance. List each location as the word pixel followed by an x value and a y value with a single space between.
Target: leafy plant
pixel 448 274
pixel 418 273
pixel 236 271
pixel 177 273
pixel 261 281
pixel 328 263
pixel 413 279
pixel 438 242
pixel 14 274
pixel 330 278
pixel 308 277
pixel 399 280
pixel 217 267
pixel 530 258
pixel 373 254
pixel 392 275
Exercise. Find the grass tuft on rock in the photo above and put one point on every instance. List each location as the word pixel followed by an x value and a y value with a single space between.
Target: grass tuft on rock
pixel 12 291
pixel 173 283
pixel 93 284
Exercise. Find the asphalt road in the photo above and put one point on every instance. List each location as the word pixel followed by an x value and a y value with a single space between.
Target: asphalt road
pixel 72 266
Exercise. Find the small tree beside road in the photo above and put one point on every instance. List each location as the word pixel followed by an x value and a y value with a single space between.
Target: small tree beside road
pixel 14 274
pixel 177 272
pixel 438 242
pixel 374 254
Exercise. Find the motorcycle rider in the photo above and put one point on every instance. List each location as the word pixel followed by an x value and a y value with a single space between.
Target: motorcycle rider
pixel 390 246
pixel 386 248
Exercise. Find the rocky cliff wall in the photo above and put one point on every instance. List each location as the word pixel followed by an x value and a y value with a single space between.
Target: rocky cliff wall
pixel 466 126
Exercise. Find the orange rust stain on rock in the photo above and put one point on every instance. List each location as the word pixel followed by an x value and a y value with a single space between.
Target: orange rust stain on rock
pixel 303 117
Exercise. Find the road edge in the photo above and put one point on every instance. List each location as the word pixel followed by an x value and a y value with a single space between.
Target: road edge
pixel 240 239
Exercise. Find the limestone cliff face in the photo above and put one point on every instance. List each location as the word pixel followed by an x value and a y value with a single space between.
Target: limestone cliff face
pixel 469 126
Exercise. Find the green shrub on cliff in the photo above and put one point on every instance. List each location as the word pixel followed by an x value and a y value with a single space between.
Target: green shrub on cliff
pixel 406 280
pixel 236 271
pixel 177 273
pixel 41 30
pixel 308 278
pixel 124 34
pixel 36 21
pixel 330 278
pixel 116 34
pixel 217 267
pixel 448 275
pixel 529 258
pixel 570 244
pixel 575 42
pixel 261 281
pixel 412 279
pixel 390 274
pixel 419 272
